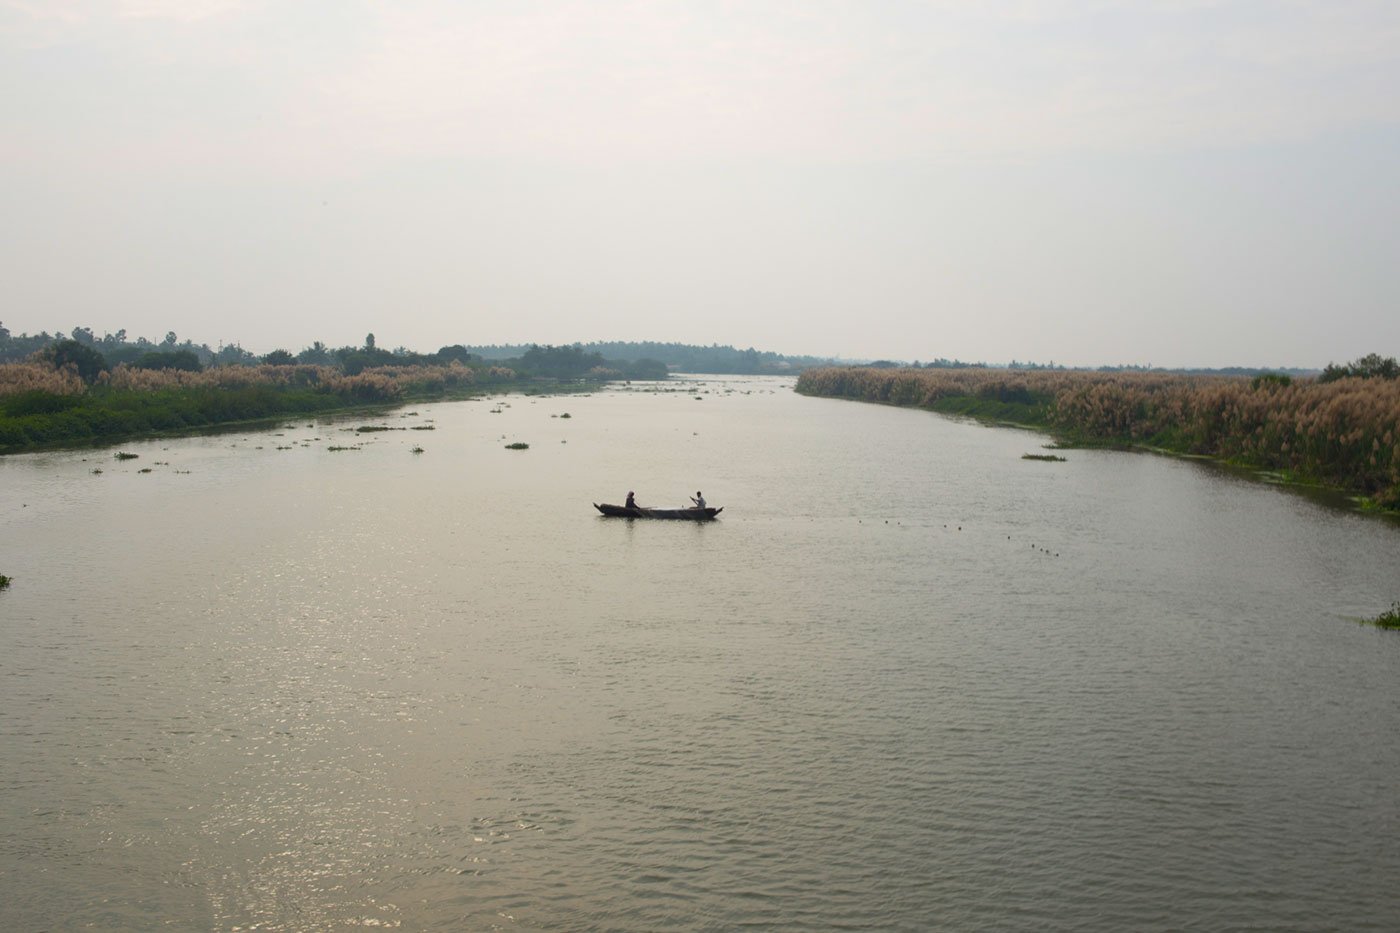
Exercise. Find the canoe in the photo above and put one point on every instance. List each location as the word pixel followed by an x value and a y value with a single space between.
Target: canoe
pixel 622 511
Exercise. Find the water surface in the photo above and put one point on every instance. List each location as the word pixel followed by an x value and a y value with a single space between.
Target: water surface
pixel 908 680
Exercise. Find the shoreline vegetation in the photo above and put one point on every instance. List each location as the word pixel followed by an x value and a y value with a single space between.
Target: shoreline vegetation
pixel 1341 430
pixel 68 395
pixel 43 407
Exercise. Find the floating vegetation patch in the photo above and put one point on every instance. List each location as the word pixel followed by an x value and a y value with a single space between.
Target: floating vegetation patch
pixel 1049 458
pixel 1389 619
pixel 123 455
pixel 336 447
pixel 367 428
pixel 517 446
pixel 145 470
pixel 566 415
pixel 423 427
pixel 97 472
pixel 418 450
pixel 4 581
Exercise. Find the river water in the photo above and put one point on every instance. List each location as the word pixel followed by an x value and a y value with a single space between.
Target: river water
pixel 907 681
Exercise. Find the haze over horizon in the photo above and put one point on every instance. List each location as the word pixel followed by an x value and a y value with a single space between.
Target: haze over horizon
pixel 1202 183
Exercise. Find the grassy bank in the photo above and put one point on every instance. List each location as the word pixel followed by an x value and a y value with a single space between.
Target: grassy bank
pixel 1344 433
pixel 41 408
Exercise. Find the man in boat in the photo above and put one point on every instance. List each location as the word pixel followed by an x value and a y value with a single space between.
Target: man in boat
pixel 698 499
pixel 631 500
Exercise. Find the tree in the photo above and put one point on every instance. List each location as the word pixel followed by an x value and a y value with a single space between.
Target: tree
pixel 86 361
pixel 173 359
pixel 1370 366
pixel 652 370
pixel 84 335
pixel 279 358
pixel 455 352
pixel 316 354
pixel 369 341
pixel 232 354
pixel 559 362
pixel 170 339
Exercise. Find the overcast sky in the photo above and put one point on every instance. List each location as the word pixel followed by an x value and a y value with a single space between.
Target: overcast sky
pixel 1177 183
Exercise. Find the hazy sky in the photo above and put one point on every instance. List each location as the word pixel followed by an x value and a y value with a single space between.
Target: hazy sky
pixel 1177 183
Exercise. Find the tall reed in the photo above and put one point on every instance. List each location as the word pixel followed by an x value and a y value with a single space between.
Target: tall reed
pixel 1344 433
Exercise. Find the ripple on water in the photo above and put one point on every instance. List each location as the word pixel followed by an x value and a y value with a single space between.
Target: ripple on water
pixel 427 693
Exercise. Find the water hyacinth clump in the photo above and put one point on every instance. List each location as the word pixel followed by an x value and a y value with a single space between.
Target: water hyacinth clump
pixel 1389 619
pixel 4 581
pixel 517 446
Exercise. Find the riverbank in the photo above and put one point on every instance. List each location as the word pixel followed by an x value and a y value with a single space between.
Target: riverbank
pixel 1343 434
pixel 154 404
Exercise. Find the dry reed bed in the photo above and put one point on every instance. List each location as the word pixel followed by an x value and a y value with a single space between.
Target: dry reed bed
pixel 382 383
pixel 379 383
pixel 38 377
pixel 1345 433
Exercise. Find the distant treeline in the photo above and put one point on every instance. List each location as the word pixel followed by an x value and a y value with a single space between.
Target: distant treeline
pixel 116 349
pixel 1341 429
pixel 680 357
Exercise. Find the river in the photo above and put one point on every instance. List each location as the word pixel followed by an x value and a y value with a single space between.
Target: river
pixel 908 680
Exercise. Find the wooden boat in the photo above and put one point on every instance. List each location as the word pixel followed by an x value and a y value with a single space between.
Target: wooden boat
pixel 622 511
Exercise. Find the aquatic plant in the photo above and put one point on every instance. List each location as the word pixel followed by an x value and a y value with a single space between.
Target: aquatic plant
pixel 1389 619
pixel 4 582
pixel 417 450
pixel 517 446
pixel 123 455
pixel 1051 458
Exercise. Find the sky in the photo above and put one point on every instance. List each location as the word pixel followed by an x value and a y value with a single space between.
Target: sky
pixel 1189 183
